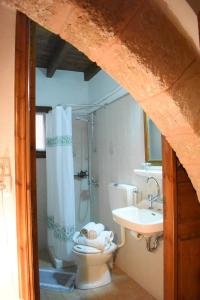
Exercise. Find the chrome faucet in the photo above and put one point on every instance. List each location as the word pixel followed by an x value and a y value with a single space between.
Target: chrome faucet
pixel 152 198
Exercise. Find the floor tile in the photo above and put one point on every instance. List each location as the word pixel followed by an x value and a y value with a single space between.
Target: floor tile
pixel 122 287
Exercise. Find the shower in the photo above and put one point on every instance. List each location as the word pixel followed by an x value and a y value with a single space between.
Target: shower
pixel 85 203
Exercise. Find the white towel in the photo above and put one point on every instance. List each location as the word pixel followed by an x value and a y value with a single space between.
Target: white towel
pixel 102 242
pixel 86 229
pixel 92 230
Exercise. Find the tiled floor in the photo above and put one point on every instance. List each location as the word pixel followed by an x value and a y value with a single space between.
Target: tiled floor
pixel 121 288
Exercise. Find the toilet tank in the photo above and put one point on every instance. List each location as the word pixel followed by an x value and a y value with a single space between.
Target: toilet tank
pixel 121 195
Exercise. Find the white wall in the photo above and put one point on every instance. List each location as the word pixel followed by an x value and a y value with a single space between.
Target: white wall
pixel 65 87
pixel 144 267
pixel 119 139
pixel 181 14
pixel 102 86
pixel 8 246
pixel 119 135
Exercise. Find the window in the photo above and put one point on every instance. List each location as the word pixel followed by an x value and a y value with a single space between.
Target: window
pixel 40 126
pixel 40 131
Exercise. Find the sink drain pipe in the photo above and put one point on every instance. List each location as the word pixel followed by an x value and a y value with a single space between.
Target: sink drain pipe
pixel 149 246
pixel 120 245
pixel 122 237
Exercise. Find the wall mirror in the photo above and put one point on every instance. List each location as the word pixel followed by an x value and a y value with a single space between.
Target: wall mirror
pixel 153 145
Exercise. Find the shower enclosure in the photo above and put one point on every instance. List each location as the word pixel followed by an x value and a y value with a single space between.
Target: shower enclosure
pixel 80 206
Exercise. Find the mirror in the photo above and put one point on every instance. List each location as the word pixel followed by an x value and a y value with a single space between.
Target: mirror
pixel 153 145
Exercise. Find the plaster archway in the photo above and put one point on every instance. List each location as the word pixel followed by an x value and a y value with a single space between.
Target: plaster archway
pixel 136 43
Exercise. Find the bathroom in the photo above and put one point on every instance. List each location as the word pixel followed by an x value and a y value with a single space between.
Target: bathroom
pixel 108 146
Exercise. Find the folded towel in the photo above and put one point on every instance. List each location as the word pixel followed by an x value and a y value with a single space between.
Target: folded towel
pixel 92 230
pixel 102 242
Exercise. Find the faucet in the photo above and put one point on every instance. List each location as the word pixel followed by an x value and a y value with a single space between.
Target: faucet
pixel 152 198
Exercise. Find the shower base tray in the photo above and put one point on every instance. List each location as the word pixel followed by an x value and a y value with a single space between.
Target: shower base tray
pixel 57 280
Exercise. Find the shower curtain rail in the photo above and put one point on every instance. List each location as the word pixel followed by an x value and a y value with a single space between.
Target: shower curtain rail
pixel 81 105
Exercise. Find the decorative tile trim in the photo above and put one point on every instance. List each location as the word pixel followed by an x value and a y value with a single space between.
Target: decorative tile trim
pixel 63 140
pixel 60 232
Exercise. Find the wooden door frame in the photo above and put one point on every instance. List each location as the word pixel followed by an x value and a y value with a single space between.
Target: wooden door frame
pixel 25 166
pixel 25 155
pixel 170 224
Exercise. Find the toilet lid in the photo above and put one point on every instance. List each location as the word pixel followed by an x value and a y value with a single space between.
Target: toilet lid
pixel 86 249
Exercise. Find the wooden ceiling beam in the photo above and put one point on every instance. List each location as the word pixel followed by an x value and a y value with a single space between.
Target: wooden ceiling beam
pixel 56 58
pixel 53 54
pixel 91 71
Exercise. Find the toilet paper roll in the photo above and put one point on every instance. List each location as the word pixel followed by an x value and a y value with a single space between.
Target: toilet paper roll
pixel 136 235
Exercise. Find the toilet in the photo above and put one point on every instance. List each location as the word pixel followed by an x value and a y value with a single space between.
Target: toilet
pixel 92 266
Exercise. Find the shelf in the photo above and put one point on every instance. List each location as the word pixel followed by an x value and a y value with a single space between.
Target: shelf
pixel 150 171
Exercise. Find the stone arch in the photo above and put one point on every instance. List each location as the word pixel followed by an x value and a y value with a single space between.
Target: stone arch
pixel 136 43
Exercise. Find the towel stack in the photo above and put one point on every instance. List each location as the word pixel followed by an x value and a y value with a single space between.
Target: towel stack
pixel 94 235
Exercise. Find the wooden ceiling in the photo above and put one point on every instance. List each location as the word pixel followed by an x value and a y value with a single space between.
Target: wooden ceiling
pixel 53 53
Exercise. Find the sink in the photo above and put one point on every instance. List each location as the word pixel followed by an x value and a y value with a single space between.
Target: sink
pixel 141 220
pixel 155 171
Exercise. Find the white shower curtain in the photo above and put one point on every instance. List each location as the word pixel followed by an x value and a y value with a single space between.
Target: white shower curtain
pixel 60 183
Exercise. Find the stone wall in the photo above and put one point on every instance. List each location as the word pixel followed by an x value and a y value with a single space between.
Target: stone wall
pixel 145 52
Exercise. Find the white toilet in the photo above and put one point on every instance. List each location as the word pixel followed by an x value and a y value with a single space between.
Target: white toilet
pixel 92 264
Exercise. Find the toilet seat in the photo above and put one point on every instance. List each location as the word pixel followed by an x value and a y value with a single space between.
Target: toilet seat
pixel 86 249
pixel 91 250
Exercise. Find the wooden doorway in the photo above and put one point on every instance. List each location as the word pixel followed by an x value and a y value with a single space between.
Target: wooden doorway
pixel 182 209
pixel 26 205
pixel 181 231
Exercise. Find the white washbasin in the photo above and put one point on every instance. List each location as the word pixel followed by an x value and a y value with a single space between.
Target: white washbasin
pixel 141 220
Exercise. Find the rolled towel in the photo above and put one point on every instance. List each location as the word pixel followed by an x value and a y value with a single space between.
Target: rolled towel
pixel 102 242
pixel 95 232
pixel 86 229
pixel 92 230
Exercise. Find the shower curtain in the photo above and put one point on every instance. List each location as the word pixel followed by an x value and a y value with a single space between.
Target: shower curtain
pixel 60 183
